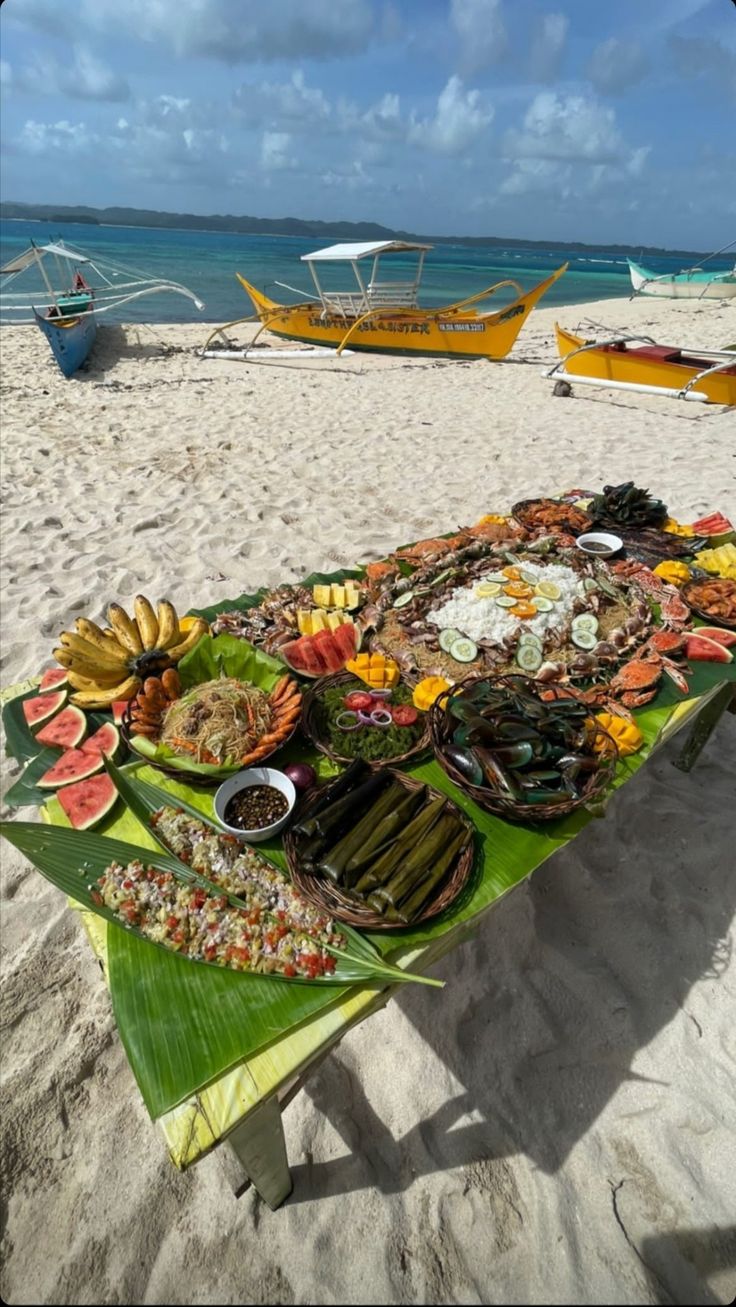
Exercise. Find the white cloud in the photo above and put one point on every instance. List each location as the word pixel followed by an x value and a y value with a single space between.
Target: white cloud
pixel 62 136
pixel 458 120
pixel 481 30
pixel 548 44
pixel 274 157
pixel 566 127
pixel 615 65
pixel 82 77
pixel 218 29
pixel 292 102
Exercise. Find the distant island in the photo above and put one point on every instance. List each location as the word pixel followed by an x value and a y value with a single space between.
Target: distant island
pixel 247 226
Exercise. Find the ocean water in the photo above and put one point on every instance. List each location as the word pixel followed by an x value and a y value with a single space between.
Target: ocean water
pixel 206 262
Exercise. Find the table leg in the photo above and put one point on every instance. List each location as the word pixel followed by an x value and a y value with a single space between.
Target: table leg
pixel 703 727
pixel 259 1145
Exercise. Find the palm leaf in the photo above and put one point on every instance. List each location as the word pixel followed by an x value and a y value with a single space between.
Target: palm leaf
pixel 70 859
pixel 145 799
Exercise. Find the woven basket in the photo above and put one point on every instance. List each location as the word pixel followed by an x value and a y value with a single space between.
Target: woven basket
pixel 523 514
pixel 441 727
pixel 324 894
pixel 313 730
pixel 180 773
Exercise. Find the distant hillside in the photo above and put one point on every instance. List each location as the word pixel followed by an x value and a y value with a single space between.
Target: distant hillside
pixel 122 217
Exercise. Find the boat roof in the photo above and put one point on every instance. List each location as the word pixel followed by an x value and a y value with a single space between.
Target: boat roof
pixel 30 255
pixel 360 250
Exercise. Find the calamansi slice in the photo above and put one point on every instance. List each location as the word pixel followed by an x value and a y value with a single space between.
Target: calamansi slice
pixel 548 589
pixel 523 610
pixel 512 573
pixel 487 590
pixel 518 590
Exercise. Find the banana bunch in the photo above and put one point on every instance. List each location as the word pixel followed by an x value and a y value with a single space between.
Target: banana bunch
pixel 104 665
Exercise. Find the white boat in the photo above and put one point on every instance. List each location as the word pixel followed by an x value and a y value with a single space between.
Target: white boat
pixel 86 288
pixel 692 283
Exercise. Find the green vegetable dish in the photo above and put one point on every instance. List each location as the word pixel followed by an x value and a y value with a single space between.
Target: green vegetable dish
pixel 356 722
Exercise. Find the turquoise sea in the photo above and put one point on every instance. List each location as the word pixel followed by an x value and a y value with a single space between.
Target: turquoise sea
pixel 206 262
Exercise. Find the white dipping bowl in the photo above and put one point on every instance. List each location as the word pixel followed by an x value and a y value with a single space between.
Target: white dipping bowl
pixel 606 544
pixel 244 780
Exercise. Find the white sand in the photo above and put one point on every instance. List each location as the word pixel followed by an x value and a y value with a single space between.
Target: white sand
pixel 558 1124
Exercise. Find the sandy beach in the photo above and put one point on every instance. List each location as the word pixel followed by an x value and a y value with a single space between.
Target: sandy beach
pixel 559 1123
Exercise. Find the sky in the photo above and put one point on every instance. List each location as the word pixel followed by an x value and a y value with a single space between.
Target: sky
pixel 570 120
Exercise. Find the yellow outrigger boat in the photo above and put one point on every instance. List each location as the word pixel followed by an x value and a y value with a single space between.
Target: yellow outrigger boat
pixel 386 316
pixel 638 363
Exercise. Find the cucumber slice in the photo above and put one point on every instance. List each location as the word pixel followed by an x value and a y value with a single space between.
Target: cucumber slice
pixel 531 578
pixel 583 638
pixel 528 637
pixel 448 638
pixel 404 599
pixel 497 577
pixel 585 622
pixel 542 604
pixel 464 650
pixel 589 585
pixel 505 601
pixel 529 657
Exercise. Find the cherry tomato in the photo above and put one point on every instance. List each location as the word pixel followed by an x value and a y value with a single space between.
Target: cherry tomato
pixel 359 701
pixel 404 715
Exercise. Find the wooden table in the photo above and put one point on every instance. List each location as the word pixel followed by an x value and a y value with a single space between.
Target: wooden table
pixel 243 1107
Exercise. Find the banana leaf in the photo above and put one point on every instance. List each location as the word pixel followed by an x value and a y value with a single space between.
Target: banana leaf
pixel 25 791
pixel 211 657
pixel 65 856
pixel 21 743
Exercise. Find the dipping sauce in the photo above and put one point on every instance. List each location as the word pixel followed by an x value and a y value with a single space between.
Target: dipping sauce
pixel 596 547
pixel 256 807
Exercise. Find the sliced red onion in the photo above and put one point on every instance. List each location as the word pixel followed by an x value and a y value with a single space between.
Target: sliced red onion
pixel 352 723
pixel 365 719
pixel 381 694
pixel 381 717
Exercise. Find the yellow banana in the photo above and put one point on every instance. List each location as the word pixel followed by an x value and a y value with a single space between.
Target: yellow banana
pixel 91 671
pixel 79 682
pixel 76 644
pixel 107 644
pixel 168 625
pixel 199 629
pixel 147 622
pixel 125 629
pixel 101 698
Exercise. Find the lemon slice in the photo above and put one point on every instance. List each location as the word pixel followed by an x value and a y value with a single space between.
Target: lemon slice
pixel 487 590
pixel 548 590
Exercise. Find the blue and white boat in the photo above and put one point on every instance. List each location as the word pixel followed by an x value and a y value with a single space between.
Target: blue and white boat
pixel 68 317
pixel 690 284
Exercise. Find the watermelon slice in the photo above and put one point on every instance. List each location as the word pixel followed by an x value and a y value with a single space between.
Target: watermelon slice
pixel 726 638
pixel 42 706
pixel 73 765
pixel 699 649
pixel 106 740
pixel 302 657
pixel 345 639
pixel 715 524
pixel 52 679
pixel 118 708
pixel 88 801
pixel 66 731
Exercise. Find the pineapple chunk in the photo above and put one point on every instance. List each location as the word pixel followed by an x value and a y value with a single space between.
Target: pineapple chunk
pixel 338 596
pixel 352 594
pixel 334 619
pixel 321 595
pixel 319 621
pixel 304 621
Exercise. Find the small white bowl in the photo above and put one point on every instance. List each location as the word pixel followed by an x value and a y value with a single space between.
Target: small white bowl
pixel 607 544
pixel 244 780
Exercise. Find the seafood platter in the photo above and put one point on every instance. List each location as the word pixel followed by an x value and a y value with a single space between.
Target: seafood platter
pixel 503 657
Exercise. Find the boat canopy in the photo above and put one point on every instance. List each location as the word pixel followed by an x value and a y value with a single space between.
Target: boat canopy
pixel 361 250
pixel 373 294
pixel 29 256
